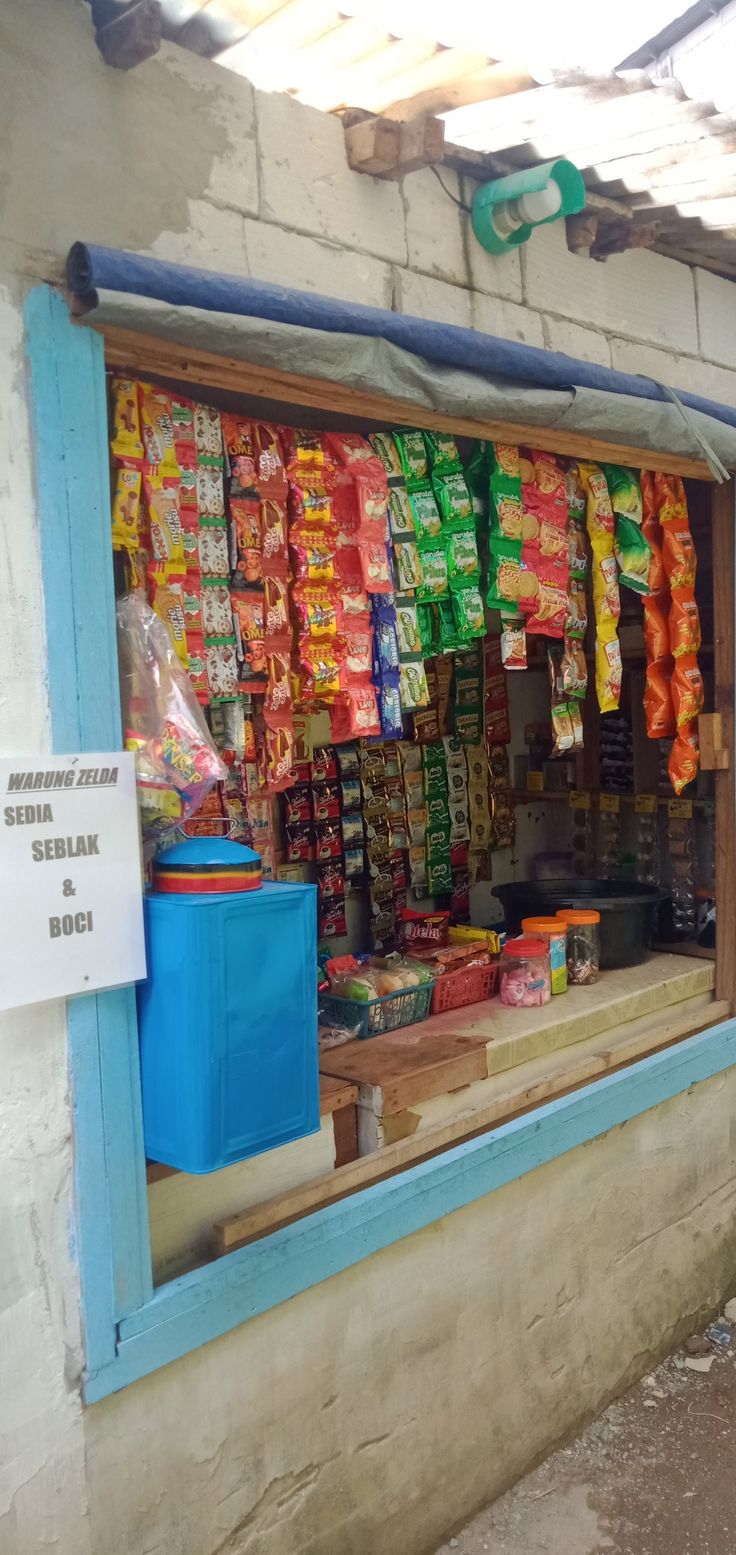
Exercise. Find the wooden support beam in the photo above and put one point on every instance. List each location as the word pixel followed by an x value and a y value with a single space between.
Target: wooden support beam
pixel 723 512
pixel 169 359
pixel 387 149
pixel 131 37
pixel 714 752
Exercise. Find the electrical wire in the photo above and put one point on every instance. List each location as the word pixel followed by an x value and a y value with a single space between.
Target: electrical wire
pixel 460 203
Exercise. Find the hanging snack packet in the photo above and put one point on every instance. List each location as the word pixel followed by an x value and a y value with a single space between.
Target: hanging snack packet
pixel 513 645
pixel 684 624
pixel 678 554
pixel 687 691
pixel 606 599
pixel 126 443
pixel 468 612
pixel 543 596
pixel 477 476
pixel 157 429
pixel 126 503
pixel 427 521
pixel 413 456
pixel 221 660
pixel 246 543
pixel 670 499
pixel 191 599
pixel 574 669
pixel 269 460
pixel 313 560
pixel 453 498
pixel 504 571
pixel 624 491
pixel 213 551
pixel 507 509
pixel 164 518
pixel 376 570
pixel 317 611
pixel 652 530
pixel 684 758
pixel 505 460
pixel 608 669
pixel 400 514
pixel 633 554
pixel 216 608
pixel 413 684
pixel 407 626
pixel 434 575
pixel 408 565
pixel 428 624
pixel 463 566
pixel 210 492
pixel 166 584
pixel 307 456
pixel 442 450
pixel 384 447
pixel 208 434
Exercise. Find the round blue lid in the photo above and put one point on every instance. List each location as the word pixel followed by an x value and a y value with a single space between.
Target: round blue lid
pixel 207 865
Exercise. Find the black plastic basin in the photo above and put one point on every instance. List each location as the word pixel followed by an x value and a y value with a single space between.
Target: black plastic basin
pixel 628 911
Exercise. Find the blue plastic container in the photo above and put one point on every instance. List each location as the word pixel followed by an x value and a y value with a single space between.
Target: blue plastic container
pixel 228 1014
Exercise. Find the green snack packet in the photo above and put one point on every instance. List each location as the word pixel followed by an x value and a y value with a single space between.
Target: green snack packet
pixel 505 460
pixel 477 474
pixel 624 491
pixel 383 444
pixel 413 688
pixel 427 521
pixel 507 508
pixel 453 497
pixel 469 725
pixel 439 877
pixel 434 770
pixel 408 565
pixel 437 810
pixel 468 684
pixel 633 554
pixel 438 837
pixel 442 450
pixel 504 568
pixel 434 576
pixel 467 609
pixel 400 513
pixel 463 566
pixel 428 628
pixel 448 634
pixel 407 627
pixel 413 456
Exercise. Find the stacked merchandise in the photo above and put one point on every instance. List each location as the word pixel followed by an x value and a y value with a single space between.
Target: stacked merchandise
pixel 674 687
pixel 379 779
pixel 600 524
pixel 351 816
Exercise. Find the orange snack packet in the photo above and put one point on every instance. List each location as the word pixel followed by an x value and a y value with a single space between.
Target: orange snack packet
pixel 670 498
pixel 656 629
pixel 678 555
pixel 687 690
pixel 659 712
pixel 684 758
pixel 684 624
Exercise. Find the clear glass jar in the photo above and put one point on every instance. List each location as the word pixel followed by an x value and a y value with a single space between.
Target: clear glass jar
pixel 525 976
pixel 583 945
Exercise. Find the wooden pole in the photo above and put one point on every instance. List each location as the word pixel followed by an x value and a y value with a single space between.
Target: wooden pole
pixel 724 561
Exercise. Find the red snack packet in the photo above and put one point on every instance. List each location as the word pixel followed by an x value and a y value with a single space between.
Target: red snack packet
pixel 182 416
pixel 330 880
pixel 298 805
pixel 652 531
pixel 164 517
pixel 306 454
pixel 327 840
pixel 313 560
pixel 543 596
pixel 245 519
pixel 331 921
pixel 276 611
pixel 311 509
pixel 345 510
pixel 279 758
pixel 687 690
pixel 166 585
pixel 356 713
pixel 375 569
pixel 359 654
pixel 684 758
pixel 238 438
pixel 274 538
pixel 322 677
pixel 277 701
pixel 269 460
pixel 322 768
pixel 299 845
pixel 249 637
pixel 355 454
pixel 423 929
pixel 317 612
pixel 192 600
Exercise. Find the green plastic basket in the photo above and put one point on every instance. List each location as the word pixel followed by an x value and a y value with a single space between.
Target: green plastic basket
pixel 371 1017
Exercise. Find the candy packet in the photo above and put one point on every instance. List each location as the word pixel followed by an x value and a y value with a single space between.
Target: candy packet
pixel 375 569
pixel 126 443
pixel 126 504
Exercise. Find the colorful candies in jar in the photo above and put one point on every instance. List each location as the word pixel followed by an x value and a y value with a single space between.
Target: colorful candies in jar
pixel 525 974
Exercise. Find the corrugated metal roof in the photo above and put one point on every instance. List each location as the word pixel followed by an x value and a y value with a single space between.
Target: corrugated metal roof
pixel 660 166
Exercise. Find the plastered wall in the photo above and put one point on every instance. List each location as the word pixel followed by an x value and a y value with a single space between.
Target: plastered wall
pixel 371 1414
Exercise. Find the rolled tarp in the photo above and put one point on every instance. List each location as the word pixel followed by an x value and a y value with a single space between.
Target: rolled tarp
pixel 444 366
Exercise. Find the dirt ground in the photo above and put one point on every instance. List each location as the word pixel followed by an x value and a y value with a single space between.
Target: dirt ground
pixel 655 1475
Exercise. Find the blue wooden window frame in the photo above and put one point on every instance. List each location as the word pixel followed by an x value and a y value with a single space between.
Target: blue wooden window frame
pixel 131 1329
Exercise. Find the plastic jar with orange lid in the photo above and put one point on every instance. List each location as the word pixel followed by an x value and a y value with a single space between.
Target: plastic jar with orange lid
pixel 583 944
pixel 555 931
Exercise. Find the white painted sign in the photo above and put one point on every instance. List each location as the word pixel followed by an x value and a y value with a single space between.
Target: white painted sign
pixel 71 905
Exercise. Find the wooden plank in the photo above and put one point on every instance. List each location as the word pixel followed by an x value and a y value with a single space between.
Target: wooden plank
pixel 335 1093
pixel 411 1064
pixel 714 752
pixel 386 149
pixel 345 1122
pixel 478 86
pixel 561 1078
pixel 163 358
pixel 724 561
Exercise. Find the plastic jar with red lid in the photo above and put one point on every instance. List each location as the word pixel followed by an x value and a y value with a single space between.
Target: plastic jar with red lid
pixel 525 975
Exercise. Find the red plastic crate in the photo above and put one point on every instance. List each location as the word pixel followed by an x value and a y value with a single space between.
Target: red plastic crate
pixel 468 986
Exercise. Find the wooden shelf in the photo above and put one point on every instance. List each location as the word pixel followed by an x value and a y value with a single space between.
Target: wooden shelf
pixel 531 796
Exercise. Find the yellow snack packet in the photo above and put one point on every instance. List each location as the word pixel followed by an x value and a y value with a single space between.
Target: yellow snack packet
pixel 126 442
pixel 126 504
